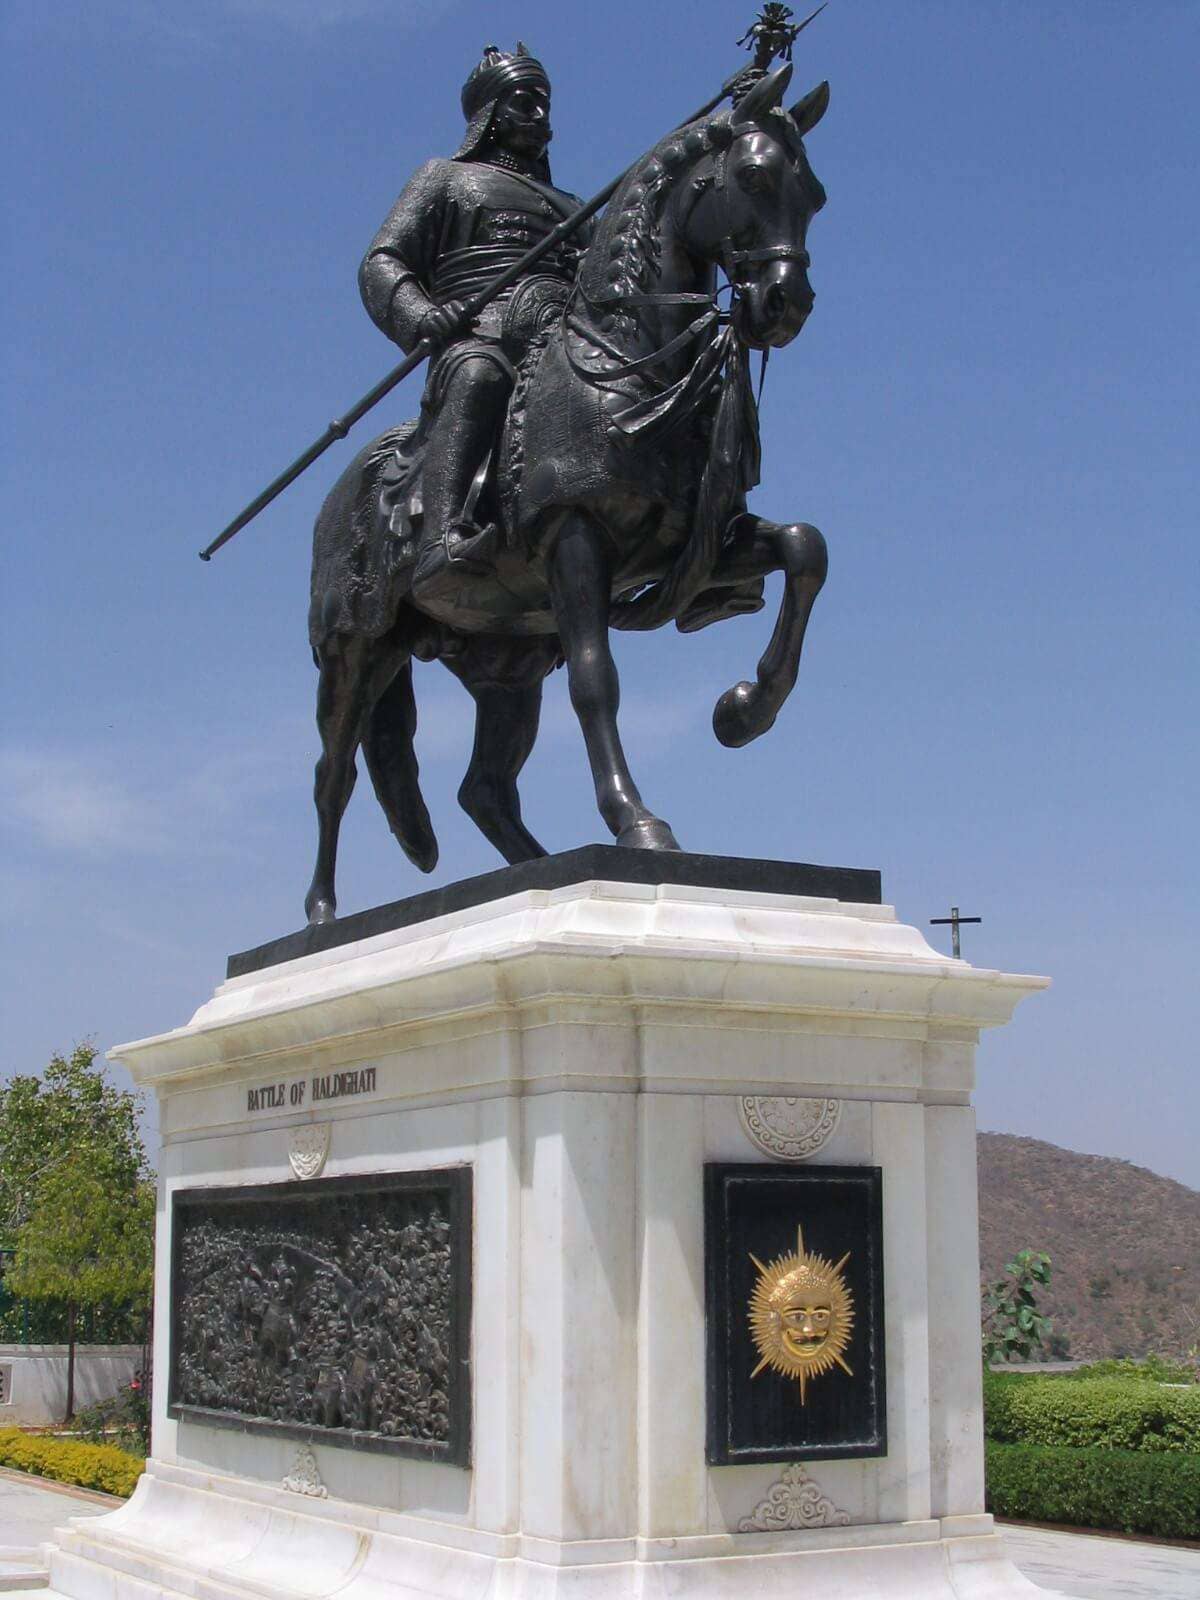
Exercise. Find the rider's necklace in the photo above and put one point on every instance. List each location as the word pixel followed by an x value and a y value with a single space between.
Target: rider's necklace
pixel 500 157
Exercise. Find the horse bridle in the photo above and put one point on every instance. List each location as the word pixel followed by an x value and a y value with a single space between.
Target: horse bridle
pixel 733 260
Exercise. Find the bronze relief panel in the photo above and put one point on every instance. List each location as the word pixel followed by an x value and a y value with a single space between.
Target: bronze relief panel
pixel 333 1310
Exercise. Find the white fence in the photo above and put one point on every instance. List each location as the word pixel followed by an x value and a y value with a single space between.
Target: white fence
pixel 33 1379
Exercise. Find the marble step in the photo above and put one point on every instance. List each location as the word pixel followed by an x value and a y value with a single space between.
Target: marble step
pixel 21 1570
pixel 76 1578
pixel 100 1564
pixel 174 1541
pixel 107 1568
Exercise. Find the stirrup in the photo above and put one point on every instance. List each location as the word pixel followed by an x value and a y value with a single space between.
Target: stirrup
pixel 470 547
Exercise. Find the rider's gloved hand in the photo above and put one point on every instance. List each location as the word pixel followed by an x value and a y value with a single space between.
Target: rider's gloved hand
pixel 443 322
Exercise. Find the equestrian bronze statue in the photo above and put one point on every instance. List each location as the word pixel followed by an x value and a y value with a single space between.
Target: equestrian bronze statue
pixel 582 458
pixel 587 439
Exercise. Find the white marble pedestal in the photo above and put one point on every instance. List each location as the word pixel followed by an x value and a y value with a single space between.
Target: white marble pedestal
pixel 587 1050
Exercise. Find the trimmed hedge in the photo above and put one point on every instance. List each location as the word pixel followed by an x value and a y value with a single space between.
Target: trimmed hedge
pixel 1151 1369
pixel 1117 1413
pixel 1134 1491
pixel 90 1466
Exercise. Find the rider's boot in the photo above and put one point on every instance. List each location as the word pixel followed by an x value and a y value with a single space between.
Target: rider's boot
pixel 460 440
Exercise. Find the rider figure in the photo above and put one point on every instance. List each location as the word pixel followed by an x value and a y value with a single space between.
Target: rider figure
pixel 455 227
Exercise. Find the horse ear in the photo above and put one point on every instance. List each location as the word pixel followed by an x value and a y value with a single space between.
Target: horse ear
pixel 808 112
pixel 766 94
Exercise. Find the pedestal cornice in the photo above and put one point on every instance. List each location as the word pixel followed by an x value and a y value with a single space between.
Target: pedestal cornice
pixel 615 955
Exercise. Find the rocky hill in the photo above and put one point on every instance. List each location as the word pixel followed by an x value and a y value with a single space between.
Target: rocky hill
pixel 1124 1245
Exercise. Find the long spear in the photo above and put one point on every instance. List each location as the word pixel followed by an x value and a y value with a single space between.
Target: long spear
pixel 340 426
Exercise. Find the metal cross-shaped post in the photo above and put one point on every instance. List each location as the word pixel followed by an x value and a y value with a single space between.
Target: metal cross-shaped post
pixel 956 923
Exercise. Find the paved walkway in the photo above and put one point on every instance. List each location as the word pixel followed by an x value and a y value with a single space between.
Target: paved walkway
pixel 30 1510
pixel 1088 1566
pixel 1095 1568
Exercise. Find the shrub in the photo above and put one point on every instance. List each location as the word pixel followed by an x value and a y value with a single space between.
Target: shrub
pixel 1154 1369
pixel 1013 1327
pixel 1130 1491
pixel 123 1420
pixel 90 1466
pixel 1113 1413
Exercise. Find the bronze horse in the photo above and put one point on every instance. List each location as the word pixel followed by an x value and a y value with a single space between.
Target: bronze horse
pixel 621 488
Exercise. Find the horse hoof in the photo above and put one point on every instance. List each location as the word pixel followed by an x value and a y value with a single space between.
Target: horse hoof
pixel 421 851
pixel 321 911
pixel 738 716
pixel 651 833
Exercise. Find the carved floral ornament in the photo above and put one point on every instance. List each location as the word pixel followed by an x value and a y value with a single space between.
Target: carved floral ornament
pixel 305 1476
pixel 793 1502
pixel 789 1127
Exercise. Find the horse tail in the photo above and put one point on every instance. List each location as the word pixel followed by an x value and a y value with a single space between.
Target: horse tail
pixel 392 762
pixel 731 469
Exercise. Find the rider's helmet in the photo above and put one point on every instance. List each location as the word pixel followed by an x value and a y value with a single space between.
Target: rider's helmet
pixel 498 72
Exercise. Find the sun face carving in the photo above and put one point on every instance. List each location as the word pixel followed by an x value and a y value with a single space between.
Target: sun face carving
pixel 801 1315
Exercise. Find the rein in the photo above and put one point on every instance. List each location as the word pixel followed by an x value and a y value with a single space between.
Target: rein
pixel 732 262
pixel 625 367
pixel 677 400
pixel 720 366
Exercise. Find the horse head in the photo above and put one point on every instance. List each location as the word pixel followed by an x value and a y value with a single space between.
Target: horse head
pixel 734 190
pixel 748 206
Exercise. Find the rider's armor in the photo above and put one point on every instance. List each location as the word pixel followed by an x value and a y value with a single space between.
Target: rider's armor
pixel 456 226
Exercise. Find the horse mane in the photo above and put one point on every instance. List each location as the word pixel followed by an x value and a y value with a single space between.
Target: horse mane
pixel 623 259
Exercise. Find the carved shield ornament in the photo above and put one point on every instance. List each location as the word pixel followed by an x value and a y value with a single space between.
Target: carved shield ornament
pixel 308 1148
pixel 789 1127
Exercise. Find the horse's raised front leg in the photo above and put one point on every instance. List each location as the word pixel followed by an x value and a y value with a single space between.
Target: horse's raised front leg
pixel 749 709
pixel 580 573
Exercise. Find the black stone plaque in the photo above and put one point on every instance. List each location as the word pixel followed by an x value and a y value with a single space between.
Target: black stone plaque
pixel 335 1310
pixel 794 1295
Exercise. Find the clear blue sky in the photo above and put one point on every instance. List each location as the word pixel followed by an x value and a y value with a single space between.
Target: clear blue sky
pixel 992 415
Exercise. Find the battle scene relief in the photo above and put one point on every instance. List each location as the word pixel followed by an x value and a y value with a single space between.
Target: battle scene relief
pixel 334 1309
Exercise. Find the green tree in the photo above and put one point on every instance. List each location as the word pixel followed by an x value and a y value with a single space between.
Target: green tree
pixel 89 1241
pixel 1013 1327
pixel 76 1194
pixel 71 1107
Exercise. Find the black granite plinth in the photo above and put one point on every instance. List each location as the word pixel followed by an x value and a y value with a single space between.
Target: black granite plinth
pixel 603 861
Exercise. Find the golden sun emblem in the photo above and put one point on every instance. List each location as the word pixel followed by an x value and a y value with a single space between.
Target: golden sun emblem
pixel 801 1315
